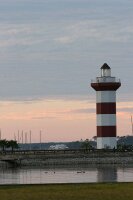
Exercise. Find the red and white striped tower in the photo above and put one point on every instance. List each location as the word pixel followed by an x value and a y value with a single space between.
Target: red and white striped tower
pixel 106 87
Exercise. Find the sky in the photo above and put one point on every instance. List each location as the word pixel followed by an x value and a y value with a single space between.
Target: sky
pixel 49 52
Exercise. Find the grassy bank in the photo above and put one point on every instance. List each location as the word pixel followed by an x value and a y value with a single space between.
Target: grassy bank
pixel 116 191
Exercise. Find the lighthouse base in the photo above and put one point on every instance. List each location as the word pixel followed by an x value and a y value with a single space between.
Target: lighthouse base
pixel 106 142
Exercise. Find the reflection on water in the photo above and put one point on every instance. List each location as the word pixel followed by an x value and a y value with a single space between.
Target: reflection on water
pixel 82 174
pixel 107 174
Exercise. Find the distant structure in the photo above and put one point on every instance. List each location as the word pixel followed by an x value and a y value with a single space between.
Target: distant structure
pixel 58 147
pixel 105 87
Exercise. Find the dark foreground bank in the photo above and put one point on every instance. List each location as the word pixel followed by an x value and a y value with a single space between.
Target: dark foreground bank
pixel 116 191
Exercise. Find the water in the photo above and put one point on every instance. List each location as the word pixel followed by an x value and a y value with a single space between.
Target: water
pixel 84 174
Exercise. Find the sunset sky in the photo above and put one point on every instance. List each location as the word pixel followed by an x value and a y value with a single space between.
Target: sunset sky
pixel 49 52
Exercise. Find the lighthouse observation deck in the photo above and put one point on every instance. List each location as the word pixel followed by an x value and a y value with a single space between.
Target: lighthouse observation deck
pixel 105 83
pixel 106 80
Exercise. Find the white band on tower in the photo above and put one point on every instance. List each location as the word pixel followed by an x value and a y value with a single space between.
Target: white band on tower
pixel 105 96
pixel 106 120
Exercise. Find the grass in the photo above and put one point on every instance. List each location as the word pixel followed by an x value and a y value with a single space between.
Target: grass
pixel 105 191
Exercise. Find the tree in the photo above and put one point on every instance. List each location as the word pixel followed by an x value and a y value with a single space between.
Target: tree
pixel 12 144
pixel 3 144
pixel 86 145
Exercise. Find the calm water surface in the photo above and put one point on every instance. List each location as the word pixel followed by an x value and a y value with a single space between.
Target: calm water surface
pixel 102 173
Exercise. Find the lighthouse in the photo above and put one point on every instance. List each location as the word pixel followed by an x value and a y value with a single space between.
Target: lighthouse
pixel 105 87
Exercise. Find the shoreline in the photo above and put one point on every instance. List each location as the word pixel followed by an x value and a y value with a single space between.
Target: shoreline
pixel 61 159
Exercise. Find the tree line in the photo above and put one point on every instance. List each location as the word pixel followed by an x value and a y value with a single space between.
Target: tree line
pixel 12 144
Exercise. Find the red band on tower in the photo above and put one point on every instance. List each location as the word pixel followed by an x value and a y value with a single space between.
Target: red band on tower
pixel 106 131
pixel 106 108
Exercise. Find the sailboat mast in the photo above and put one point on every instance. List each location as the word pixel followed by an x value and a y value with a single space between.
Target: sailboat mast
pixel 132 123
